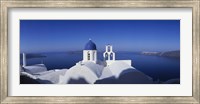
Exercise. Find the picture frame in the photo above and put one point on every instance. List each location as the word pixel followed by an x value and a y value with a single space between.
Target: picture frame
pixel 7 4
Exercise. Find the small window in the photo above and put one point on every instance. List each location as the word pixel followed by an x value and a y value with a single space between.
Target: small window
pixel 88 56
pixel 108 48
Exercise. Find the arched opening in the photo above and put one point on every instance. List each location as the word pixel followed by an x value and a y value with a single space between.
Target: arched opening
pixel 108 48
pixel 111 56
pixel 106 56
pixel 93 54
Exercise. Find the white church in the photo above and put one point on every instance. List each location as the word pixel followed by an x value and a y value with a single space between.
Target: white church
pixel 88 71
pixel 90 54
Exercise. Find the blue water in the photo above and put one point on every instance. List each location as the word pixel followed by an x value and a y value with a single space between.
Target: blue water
pixel 162 68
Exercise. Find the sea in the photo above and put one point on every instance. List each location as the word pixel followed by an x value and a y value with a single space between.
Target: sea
pixel 158 67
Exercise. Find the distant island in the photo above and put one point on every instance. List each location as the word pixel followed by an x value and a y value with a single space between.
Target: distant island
pixel 172 54
pixel 30 56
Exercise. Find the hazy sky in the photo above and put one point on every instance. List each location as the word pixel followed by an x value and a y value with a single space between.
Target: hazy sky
pixel 124 35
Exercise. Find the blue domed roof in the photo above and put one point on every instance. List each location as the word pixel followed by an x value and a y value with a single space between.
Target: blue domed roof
pixel 90 46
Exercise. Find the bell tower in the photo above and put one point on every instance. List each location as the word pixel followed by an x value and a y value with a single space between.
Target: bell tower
pixel 109 54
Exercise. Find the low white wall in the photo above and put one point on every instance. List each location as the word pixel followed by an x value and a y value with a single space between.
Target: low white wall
pixel 109 62
pixel 35 68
